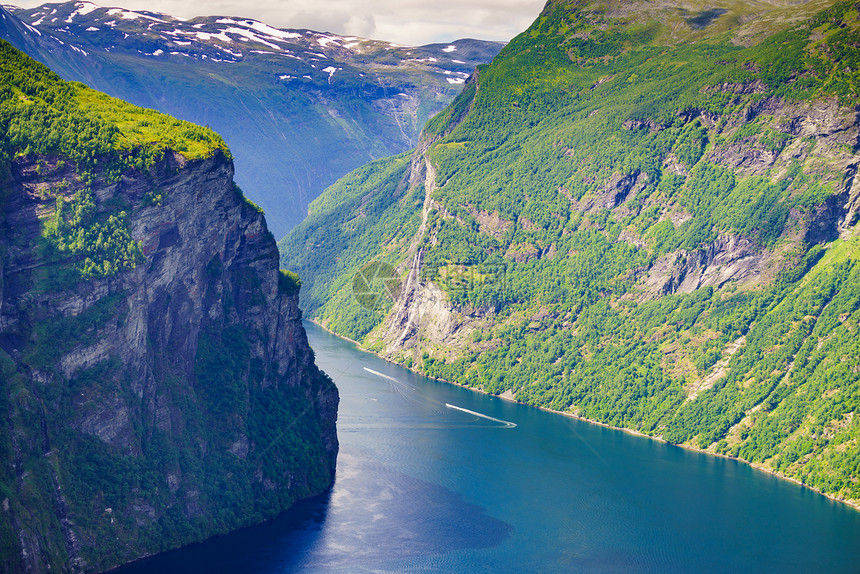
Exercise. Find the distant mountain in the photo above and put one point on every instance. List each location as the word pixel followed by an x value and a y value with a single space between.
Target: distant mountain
pixel 298 108
pixel 643 213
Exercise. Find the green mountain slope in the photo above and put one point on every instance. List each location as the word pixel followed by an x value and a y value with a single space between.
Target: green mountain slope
pixel 156 385
pixel 640 213
pixel 298 108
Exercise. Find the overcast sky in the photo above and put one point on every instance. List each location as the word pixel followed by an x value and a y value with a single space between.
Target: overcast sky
pixel 409 22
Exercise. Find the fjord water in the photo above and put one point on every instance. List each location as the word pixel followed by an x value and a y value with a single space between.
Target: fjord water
pixel 422 487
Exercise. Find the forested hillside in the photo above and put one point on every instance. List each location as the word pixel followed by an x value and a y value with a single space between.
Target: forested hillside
pixel 156 385
pixel 638 213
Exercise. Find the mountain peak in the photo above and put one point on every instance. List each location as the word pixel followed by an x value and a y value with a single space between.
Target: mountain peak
pixel 284 99
pixel 213 38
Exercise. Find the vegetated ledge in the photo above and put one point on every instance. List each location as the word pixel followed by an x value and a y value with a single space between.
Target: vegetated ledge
pixel 507 396
pixel 155 373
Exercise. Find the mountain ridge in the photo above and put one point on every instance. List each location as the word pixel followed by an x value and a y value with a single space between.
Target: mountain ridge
pixel 298 108
pixel 649 227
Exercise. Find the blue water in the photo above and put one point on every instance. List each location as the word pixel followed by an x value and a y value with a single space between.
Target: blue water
pixel 422 487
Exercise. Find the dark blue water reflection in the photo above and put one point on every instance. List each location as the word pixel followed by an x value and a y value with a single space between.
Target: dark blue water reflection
pixel 422 487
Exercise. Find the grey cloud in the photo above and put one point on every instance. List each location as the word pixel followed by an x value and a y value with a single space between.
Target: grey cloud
pixel 363 25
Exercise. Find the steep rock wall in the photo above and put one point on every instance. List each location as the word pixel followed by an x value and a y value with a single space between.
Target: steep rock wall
pixel 160 405
pixel 831 133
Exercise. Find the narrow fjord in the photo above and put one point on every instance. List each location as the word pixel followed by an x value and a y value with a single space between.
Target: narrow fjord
pixel 424 488
pixel 640 213
pixel 602 318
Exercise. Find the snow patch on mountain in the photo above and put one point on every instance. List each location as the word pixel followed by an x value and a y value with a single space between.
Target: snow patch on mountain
pixel 330 70
pixel 234 54
pixel 129 15
pixel 250 36
pixel 205 36
pixel 270 31
pixel 326 40
pixel 84 8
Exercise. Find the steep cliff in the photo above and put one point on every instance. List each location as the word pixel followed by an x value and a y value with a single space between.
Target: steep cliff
pixel 640 213
pixel 157 384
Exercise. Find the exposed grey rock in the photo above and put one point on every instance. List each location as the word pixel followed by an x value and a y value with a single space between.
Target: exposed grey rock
pixel 619 186
pixel 646 123
pixel 130 387
pixel 821 128
pixel 728 258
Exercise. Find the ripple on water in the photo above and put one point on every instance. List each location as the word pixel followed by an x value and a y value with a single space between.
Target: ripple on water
pixel 335 534
pixel 434 520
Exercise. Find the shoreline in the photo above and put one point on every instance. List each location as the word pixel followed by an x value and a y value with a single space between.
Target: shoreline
pixel 850 503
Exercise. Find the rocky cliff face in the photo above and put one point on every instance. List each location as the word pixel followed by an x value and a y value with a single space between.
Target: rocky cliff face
pixel 821 133
pixel 165 403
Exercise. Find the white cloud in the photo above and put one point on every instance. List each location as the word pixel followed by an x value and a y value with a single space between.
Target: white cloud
pixel 409 22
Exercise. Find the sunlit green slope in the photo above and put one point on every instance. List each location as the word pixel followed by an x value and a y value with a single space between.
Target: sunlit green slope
pixel 43 115
pixel 641 213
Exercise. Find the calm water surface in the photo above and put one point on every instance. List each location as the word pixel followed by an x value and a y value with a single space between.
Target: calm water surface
pixel 422 487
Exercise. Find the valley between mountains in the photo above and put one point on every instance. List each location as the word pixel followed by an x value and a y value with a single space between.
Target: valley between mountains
pixel 298 108
pixel 639 214
pixel 643 214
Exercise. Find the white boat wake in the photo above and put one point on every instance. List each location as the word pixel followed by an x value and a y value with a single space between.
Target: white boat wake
pixel 408 393
pixel 507 424
pixel 381 375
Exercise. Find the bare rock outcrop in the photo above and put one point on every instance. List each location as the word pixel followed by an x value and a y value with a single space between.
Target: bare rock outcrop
pixel 729 258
